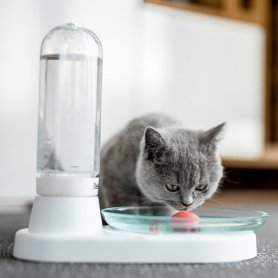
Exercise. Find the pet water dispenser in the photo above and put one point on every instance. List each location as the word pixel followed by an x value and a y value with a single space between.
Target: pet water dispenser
pixel 65 223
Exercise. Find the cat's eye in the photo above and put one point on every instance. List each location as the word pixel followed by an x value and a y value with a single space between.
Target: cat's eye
pixel 172 187
pixel 201 187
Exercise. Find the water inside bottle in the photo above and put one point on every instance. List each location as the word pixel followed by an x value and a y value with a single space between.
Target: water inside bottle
pixel 69 115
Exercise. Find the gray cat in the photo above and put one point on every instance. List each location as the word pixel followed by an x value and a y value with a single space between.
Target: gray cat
pixel 154 159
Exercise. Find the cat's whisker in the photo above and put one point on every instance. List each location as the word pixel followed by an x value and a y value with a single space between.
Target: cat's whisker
pixel 231 181
pixel 225 177
pixel 214 201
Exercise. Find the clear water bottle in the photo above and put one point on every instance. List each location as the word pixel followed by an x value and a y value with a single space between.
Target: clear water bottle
pixel 69 112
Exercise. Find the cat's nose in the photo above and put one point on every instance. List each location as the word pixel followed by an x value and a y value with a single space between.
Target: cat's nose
pixel 187 204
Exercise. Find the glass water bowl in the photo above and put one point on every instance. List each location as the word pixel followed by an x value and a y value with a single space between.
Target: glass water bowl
pixel 158 219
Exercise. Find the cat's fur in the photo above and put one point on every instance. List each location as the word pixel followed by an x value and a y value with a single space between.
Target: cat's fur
pixel 153 151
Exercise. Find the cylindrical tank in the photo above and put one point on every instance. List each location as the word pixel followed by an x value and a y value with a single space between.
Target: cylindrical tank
pixel 69 112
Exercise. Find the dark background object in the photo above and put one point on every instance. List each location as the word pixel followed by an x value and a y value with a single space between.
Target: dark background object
pixel 253 179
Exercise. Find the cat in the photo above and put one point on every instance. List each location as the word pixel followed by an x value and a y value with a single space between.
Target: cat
pixel 156 160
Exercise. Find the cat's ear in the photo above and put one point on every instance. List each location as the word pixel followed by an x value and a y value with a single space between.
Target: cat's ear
pixel 155 145
pixel 213 135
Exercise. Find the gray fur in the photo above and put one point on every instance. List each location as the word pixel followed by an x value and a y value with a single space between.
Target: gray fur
pixel 152 151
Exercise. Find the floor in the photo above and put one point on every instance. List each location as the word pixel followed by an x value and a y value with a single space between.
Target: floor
pixel 264 265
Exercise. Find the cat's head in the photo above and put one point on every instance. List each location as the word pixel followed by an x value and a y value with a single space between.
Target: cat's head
pixel 179 167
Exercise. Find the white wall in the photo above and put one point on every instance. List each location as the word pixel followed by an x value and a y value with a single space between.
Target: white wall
pixel 203 70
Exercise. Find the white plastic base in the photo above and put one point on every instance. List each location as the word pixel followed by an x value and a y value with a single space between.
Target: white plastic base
pixel 69 230
pixel 120 247
pixel 65 216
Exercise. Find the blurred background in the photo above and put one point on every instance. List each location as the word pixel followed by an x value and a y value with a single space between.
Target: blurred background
pixel 200 61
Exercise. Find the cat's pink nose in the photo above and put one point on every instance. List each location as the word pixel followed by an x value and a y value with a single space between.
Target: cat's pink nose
pixel 186 204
